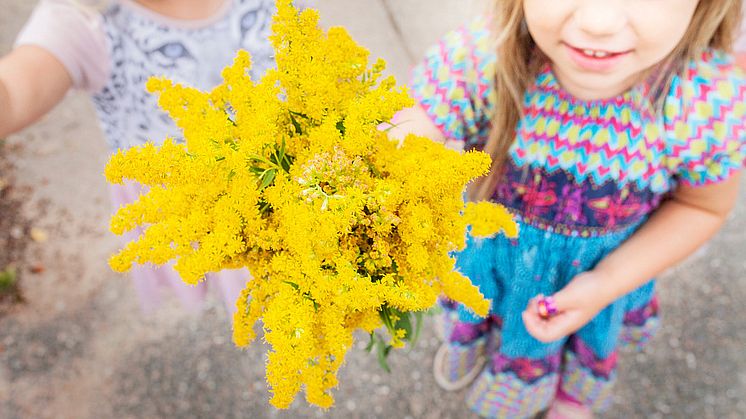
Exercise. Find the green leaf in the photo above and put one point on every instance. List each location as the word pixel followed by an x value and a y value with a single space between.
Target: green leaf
pixel 419 317
pixel 293 284
pixel 300 114
pixel 296 125
pixel 377 173
pixel 285 159
pixel 232 144
pixel 308 297
pixel 383 353
pixel 8 279
pixel 267 178
pixel 404 323
pixel 341 127
pixel 371 343
pixel 264 207
pixel 391 125
pixel 386 318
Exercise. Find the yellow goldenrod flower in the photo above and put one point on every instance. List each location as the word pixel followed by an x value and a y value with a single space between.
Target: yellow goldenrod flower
pixel 290 176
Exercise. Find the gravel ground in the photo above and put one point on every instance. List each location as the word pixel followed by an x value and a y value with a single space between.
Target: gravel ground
pixel 79 347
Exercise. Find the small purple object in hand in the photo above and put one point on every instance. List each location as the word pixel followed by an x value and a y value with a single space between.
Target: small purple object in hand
pixel 547 307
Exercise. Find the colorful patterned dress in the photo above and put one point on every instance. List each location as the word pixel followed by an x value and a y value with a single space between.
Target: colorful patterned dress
pixel 581 178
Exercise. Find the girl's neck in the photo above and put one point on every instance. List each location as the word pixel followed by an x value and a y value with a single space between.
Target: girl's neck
pixel 184 9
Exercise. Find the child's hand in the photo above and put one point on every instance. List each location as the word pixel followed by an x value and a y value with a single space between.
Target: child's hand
pixel 577 304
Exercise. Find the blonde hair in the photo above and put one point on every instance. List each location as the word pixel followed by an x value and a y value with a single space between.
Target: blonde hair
pixel 713 25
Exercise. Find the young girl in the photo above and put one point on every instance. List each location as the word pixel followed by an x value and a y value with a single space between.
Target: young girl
pixel 617 131
pixel 111 54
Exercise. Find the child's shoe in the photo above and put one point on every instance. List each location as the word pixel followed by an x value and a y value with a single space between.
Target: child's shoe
pixel 456 366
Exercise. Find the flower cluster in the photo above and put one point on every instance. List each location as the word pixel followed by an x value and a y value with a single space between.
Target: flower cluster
pixel 294 177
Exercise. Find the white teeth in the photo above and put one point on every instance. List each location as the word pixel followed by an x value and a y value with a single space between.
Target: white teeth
pixel 594 53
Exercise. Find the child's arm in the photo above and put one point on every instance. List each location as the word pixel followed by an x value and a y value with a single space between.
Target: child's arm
pixel 32 82
pixel 62 45
pixel 415 120
pixel 673 232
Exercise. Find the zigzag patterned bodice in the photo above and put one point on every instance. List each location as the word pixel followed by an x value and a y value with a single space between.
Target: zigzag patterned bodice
pixel 584 167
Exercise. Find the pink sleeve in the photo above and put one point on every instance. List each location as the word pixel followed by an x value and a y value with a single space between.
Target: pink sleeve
pixel 74 34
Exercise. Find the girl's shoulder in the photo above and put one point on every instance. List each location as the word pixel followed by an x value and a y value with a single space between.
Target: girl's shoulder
pixel 74 34
pixel 454 83
pixel 712 68
pixel 704 116
pixel 470 44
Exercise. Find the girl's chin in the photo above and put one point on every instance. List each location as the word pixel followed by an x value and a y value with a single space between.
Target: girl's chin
pixel 595 86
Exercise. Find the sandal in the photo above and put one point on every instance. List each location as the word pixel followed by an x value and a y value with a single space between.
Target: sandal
pixel 445 359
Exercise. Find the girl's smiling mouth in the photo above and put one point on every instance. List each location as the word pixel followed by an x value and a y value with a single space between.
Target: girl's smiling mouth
pixel 592 59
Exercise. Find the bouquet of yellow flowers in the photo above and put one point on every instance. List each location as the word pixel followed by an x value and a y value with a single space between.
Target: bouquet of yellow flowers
pixel 294 177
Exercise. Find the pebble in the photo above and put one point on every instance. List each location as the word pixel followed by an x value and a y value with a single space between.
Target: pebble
pixel 673 342
pixel 38 235
pixel 663 408
pixel 691 361
pixel 16 232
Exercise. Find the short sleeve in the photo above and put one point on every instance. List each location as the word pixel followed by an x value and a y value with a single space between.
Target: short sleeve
pixel 705 121
pixel 454 83
pixel 74 34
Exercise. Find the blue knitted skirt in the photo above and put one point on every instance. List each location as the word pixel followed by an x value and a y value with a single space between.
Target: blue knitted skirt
pixel 522 375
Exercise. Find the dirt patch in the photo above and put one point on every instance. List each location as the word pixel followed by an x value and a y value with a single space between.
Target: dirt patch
pixel 14 232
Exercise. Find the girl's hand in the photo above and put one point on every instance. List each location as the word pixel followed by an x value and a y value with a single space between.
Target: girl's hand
pixel 577 303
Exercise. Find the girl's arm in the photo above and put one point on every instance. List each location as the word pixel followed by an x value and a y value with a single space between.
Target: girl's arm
pixel 32 82
pixel 674 231
pixel 415 120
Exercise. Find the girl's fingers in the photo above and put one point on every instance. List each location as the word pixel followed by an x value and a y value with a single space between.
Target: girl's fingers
pixel 539 328
pixel 564 298
pixel 547 330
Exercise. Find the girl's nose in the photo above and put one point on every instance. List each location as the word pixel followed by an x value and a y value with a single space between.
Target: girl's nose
pixel 601 17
